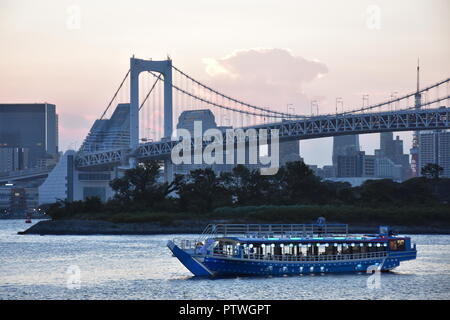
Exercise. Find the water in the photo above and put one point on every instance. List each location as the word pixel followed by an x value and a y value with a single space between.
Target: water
pixel 141 267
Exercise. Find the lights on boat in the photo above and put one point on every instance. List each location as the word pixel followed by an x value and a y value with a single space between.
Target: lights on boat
pixel 291 245
pixel 318 244
pixel 281 245
pixel 335 244
pixel 250 246
pixel 385 244
pixel 352 244
pixel 327 245
pixel 309 245
pixel 369 244
pixel 378 245
pixel 272 245
pixel 361 244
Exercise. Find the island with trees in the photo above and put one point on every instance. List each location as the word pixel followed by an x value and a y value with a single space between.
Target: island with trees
pixel 293 195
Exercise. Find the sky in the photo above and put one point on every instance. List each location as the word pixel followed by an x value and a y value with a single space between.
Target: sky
pixel 273 53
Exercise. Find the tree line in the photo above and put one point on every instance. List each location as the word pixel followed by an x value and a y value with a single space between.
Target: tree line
pixel 201 191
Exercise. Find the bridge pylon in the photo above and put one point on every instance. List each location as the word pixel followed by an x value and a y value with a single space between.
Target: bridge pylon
pixel 136 67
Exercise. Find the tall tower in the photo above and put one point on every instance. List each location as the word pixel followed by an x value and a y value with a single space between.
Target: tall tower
pixel 418 96
pixel 415 144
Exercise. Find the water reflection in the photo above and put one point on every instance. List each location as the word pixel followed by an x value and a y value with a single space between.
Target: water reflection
pixel 141 267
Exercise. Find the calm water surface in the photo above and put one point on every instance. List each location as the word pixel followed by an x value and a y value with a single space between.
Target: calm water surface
pixel 141 267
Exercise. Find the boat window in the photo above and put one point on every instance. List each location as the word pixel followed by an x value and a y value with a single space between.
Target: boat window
pixel 321 249
pixel 396 245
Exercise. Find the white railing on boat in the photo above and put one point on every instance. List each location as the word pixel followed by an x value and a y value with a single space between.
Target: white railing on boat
pixel 305 258
pixel 274 230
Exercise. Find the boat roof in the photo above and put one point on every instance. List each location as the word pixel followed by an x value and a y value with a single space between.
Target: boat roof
pixel 337 239
pixel 269 233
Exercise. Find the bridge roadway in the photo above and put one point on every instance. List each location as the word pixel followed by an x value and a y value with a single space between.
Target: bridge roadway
pixel 27 174
pixel 301 129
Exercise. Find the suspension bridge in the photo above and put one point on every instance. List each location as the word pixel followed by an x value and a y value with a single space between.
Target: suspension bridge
pixel 169 91
pixel 137 124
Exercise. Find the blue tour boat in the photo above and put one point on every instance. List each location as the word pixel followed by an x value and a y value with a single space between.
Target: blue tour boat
pixel 290 249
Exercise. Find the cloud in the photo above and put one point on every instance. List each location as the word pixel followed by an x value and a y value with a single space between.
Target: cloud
pixel 265 77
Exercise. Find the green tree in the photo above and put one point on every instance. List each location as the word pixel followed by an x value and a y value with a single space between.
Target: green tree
pixel 300 185
pixel 201 190
pixel 379 192
pixel 249 187
pixel 431 170
pixel 140 188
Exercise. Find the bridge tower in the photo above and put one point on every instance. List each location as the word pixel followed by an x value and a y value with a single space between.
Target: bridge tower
pixel 418 96
pixel 165 68
pixel 136 67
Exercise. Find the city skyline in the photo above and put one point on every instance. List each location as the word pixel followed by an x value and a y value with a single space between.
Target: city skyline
pixel 80 73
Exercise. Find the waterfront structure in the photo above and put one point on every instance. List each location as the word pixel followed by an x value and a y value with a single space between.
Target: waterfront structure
pixel 235 250
pixel 109 134
pixel 434 147
pixel 65 182
pixel 30 126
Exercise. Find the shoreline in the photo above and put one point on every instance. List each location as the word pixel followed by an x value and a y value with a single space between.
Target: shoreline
pixel 98 227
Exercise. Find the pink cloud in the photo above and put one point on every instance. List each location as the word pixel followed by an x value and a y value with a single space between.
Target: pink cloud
pixel 265 77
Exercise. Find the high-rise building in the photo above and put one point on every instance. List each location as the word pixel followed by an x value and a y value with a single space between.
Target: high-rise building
pixel 393 150
pixel 350 165
pixel 434 147
pixel 12 159
pixel 30 126
pixel 386 168
pixel 346 156
pixel 289 151
pixel 186 121
pixel 344 145
pixel 387 145
pixel 368 166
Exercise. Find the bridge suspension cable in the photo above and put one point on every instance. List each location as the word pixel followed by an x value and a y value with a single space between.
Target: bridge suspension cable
pixel 429 102
pixel 275 116
pixel 115 94
pixel 435 85
pixel 281 114
pixel 150 91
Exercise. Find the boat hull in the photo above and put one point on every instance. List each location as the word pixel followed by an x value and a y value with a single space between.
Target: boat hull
pixel 229 266
pixel 194 264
